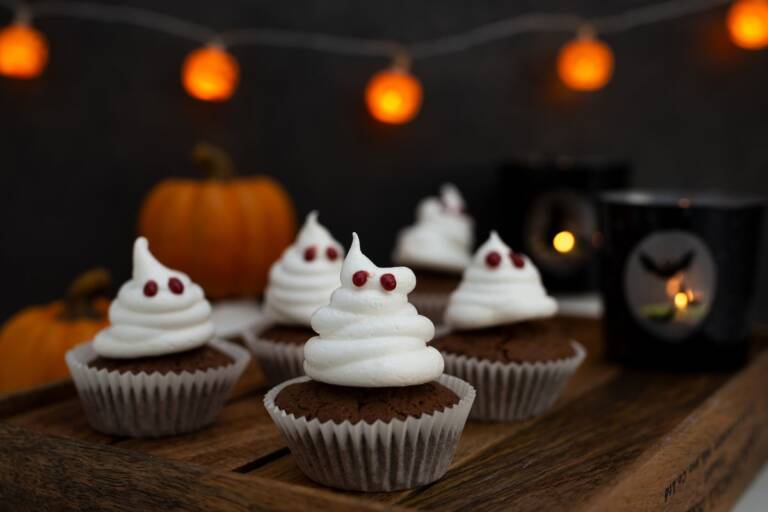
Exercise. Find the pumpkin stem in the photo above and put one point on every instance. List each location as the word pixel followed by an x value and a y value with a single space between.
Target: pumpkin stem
pixel 89 285
pixel 214 160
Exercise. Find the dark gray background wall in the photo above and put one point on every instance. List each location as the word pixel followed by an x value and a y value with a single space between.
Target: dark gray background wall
pixel 84 143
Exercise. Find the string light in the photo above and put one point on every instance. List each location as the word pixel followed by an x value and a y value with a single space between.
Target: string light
pixel 747 23
pixel 23 50
pixel 393 95
pixel 585 63
pixel 210 73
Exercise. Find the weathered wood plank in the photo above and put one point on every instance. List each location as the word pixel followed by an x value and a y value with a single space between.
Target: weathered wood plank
pixel 708 459
pixel 39 472
pixel 562 460
pixel 243 433
pixel 23 401
pixel 65 419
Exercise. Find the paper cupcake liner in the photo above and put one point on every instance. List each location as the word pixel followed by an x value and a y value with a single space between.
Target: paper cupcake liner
pixel 513 391
pixel 154 404
pixel 400 454
pixel 431 305
pixel 278 361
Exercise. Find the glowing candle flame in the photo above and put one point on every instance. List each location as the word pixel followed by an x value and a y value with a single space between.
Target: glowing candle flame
pixel 564 242
pixel 681 300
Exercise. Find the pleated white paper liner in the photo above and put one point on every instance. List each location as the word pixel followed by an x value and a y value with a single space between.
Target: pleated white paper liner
pixel 278 361
pixel 431 305
pixel 155 404
pixel 513 391
pixel 400 454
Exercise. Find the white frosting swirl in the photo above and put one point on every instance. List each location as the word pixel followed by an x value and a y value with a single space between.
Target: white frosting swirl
pixel 489 296
pixel 164 323
pixel 371 337
pixel 442 237
pixel 299 286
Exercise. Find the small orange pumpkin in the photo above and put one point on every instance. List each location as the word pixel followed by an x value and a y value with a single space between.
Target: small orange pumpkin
pixel 225 231
pixel 33 341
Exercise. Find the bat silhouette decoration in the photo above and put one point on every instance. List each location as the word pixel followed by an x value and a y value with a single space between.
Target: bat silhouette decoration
pixel 666 269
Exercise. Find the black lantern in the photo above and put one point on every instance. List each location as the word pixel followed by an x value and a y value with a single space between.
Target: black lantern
pixel 547 208
pixel 678 276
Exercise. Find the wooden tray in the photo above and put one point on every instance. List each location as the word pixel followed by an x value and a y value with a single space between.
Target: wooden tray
pixel 617 440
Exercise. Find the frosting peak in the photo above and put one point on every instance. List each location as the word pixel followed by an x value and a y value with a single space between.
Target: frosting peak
pixel 304 277
pixel 159 311
pixel 441 238
pixel 145 265
pixel 499 287
pixel 370 335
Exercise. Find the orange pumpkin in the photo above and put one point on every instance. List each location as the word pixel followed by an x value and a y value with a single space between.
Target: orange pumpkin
pixel 33 342
pixel 224 231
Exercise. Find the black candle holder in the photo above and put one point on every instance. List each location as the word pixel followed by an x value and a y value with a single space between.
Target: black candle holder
pixel 678 276
pixel 547 208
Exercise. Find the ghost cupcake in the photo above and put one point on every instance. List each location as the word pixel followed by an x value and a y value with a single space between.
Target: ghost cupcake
pixel 375 412
pixel 156 370
pixel 438 247
pixel 300 283
pixel 502 338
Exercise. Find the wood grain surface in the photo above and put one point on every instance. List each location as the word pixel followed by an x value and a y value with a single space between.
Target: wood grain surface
pixel 617 440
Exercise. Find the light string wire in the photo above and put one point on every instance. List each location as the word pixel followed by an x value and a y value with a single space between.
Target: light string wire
pixel 354 46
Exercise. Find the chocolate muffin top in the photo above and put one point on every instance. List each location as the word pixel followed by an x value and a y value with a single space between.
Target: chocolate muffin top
pixel 524 342
pixel 326 402
pixel 429 281
pixel 292 334
pixel 202 358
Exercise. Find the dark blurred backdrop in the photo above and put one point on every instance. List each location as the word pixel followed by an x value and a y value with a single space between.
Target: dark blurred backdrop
pixel 108 119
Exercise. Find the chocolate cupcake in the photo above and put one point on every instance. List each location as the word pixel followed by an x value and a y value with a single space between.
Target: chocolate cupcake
pixel 438 247
pixel 502 339
pixel 375 412
pixel 300 282
pixel 156 370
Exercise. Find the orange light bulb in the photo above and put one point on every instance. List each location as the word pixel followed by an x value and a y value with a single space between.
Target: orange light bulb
pixel 210 74
pixel 23 51
pixel 585 64
pixel 747 23
pixel 393 96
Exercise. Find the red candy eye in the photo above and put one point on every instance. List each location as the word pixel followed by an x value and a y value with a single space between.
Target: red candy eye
pixel 388 282
pixel 360 277
pixel 175 285
pixel 150 288
pixel 492 259
pixel 310 253
pixel 332 253
pixel 517 259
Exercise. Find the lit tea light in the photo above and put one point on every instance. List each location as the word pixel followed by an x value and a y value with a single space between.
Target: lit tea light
pixel 564 242
pixel 681 300
pixel 682 297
